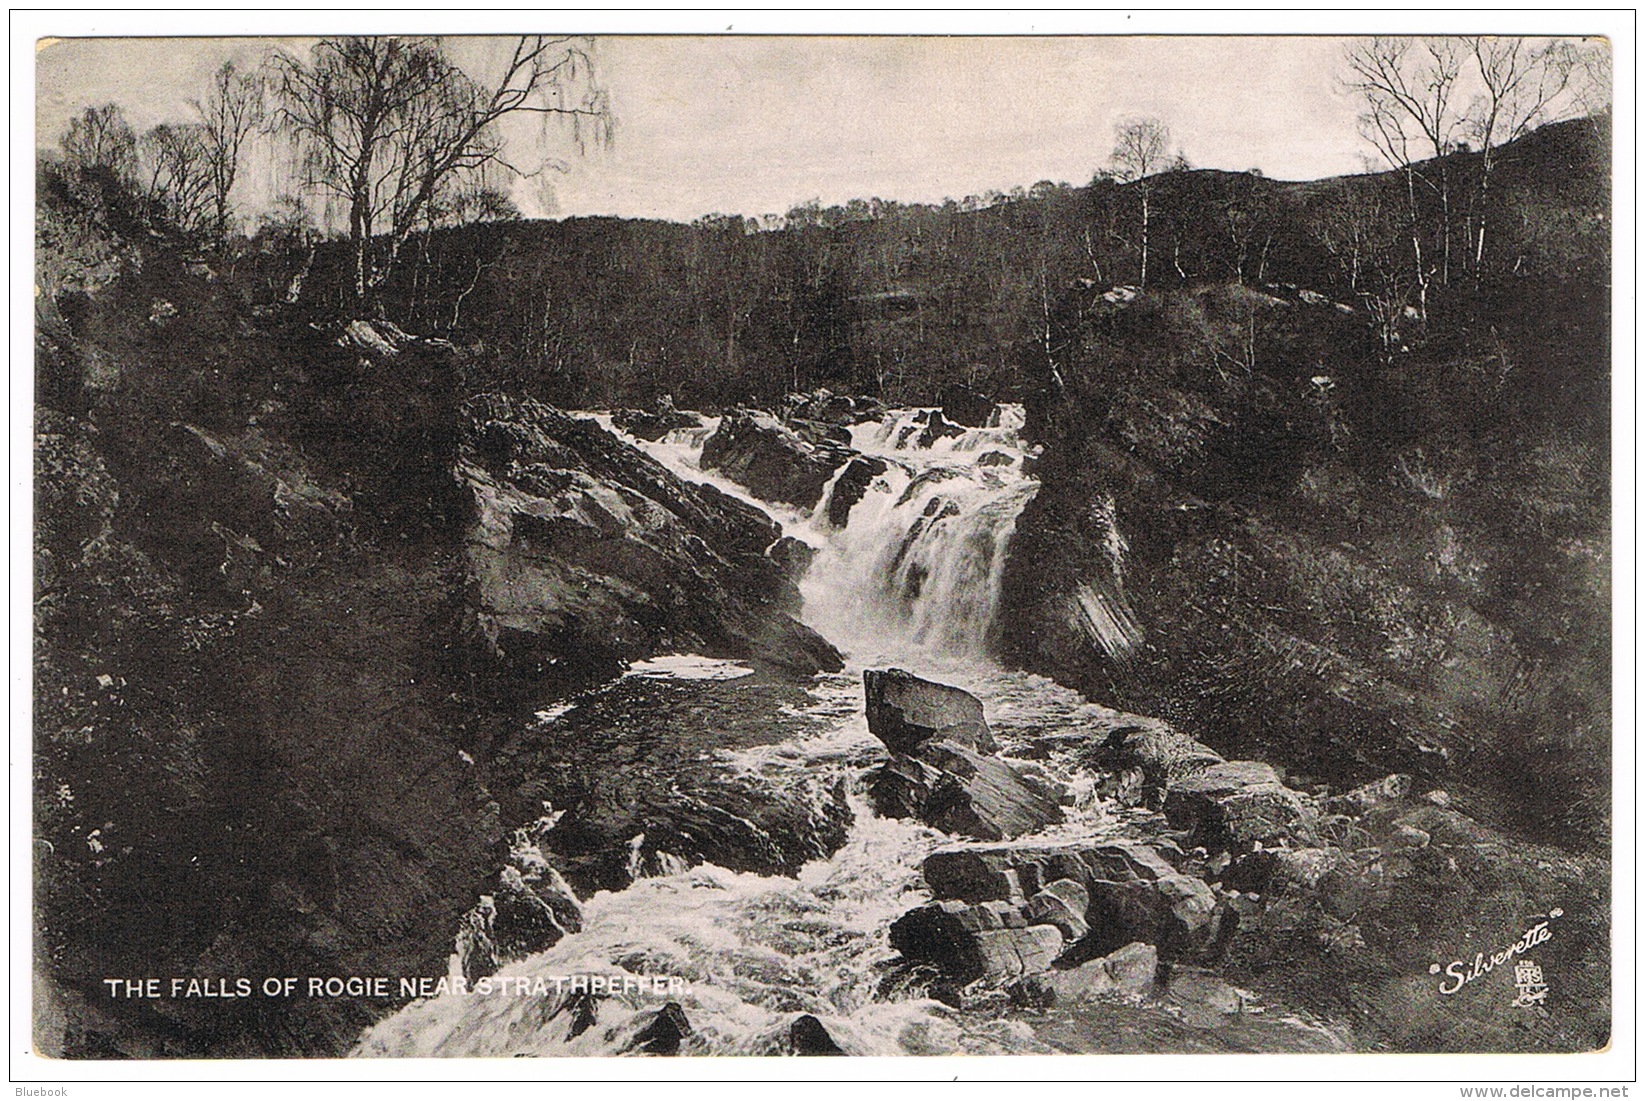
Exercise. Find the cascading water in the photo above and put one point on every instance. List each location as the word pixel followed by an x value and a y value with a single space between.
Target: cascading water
pixel 917 567
pixel 912 577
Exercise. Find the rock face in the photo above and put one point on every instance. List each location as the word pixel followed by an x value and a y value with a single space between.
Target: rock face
pixel 771 459
pixel 584 553
pixel 905 711
pixel 1236 805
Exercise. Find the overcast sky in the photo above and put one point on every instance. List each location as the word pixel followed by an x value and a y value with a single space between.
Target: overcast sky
pixel 758 124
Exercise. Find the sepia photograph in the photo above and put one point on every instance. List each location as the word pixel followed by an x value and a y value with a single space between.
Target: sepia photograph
pixel 767 545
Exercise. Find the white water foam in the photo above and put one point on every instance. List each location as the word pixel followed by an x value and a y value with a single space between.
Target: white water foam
pixel 913 579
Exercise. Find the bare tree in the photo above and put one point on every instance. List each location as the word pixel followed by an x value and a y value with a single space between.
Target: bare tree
pixel 1591 83
pixel 388 124
pixel 1410 91
pixel 1521 82
pixel 1139 154
pixel 177 174
pixel 228 115
pixel 100 137
pixel 1350 224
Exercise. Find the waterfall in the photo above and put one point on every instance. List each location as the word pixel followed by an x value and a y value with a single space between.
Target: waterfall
pixel 909 549
pixel 917 566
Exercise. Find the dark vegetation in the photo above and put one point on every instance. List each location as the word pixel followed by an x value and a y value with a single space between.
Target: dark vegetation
pixel 1349 538
pixel 1346 547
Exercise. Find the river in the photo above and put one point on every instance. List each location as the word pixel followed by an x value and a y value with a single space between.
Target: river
pixel 911 579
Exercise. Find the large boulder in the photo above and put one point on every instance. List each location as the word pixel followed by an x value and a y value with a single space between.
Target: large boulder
pixel 1133 892
pixel 960 791
pixel 1240 805
pixel 809 1036
pixel 654 424
pixel 1145 757
pixel 905 711
pixel 658 1031
pixel 990 941
pixel 776 463
pixel 1125 972
pixel 792 557
pixel 964 406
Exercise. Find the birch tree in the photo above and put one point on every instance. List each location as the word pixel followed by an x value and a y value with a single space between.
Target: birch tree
pixel 229 115
pixel 1521 82
pixel 1140 147
pixel 386 125
pixel 1410 88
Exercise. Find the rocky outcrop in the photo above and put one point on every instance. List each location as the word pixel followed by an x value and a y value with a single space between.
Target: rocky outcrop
pixel 1239 805
pixel 636 765
pixel 654 424
pixel 964 406
pixel 1057 923
pixel 1132 892
pixel 772 460
pixel 941 770
pixel 962 792
pixel 928 428
pixel 530 908
pixel 850 487
pixel 827 407
pixel 584 553
pixel 905 711
pixel 792 557
pixel 1390 789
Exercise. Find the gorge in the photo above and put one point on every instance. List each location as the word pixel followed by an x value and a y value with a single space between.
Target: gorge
pixel 1196 681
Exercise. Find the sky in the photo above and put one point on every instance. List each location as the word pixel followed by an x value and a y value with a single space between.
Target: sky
pixel 757 124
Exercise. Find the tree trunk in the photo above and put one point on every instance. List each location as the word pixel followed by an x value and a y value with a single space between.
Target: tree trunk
pixel 1484 188
pixel 1143 281
pixel 1416 241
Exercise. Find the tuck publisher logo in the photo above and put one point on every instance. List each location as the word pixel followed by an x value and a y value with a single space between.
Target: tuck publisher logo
pixel 1527 975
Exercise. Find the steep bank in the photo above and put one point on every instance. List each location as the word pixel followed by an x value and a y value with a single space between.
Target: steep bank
pixel 1337 561
pixel 277 635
